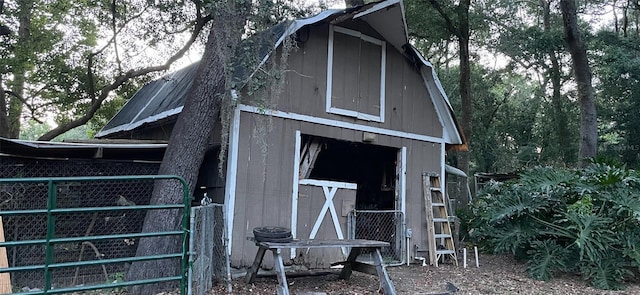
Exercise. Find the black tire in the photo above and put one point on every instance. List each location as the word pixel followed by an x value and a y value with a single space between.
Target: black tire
pixel 275 240
pixel 272 234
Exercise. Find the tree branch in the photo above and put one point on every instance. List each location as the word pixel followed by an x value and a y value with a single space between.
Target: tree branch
pixel 122 79
pixel 115 35
pixel 25 103
pixel 448 22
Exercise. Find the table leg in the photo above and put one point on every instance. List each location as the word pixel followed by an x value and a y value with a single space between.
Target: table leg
pixel 283 287
pixel 383 276
pixel 253 271
pixel 347 269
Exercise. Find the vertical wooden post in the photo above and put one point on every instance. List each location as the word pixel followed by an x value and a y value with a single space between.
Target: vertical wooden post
pixel 5 278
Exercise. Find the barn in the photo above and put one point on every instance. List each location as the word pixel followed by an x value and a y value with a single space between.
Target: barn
pixel 360 117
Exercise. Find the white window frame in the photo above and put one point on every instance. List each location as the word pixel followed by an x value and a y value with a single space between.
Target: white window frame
pixel 383 61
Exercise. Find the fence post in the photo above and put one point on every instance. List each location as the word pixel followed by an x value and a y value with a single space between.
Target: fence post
pixel 51 226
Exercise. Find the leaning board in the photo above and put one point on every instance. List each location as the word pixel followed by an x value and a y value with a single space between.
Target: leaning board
pixel 5 278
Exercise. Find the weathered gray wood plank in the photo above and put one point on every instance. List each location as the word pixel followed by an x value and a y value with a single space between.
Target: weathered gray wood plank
pixel 324 244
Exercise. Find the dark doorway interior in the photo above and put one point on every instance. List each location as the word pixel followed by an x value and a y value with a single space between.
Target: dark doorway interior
pixel 372 167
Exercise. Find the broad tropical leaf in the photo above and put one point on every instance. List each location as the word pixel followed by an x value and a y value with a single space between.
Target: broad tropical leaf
pixel 545 258
pixel 607 273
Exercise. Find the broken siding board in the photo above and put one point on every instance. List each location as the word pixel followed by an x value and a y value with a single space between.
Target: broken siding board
pixel 5 278
pixel 311 151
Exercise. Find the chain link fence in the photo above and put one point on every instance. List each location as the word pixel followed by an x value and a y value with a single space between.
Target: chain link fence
pixel 380 225
pixel 208 243
pixel 73 224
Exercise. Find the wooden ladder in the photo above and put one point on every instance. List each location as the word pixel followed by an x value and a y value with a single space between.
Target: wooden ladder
pixel 438 226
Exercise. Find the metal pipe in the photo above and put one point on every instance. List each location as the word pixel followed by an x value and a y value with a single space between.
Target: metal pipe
pixel 475 249
pixel 464 257
pixel 192 226
pixel 408 254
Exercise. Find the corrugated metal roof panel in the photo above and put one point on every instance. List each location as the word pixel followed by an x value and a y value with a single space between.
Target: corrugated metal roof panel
pixel 153 101
pixel 62 150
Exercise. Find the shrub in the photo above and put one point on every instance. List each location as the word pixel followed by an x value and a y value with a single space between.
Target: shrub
pixel 559 219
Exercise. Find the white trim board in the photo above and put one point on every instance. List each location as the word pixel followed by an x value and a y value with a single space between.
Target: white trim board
pixel 294 191
pixel 403 182
pixel 340 124
pixel 232 170
pixel 338 184
pixel 134 125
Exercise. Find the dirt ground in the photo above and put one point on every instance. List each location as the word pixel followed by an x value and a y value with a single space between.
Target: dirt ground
pixel 496 275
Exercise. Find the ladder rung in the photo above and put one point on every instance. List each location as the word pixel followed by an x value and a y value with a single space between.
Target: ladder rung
pixel 435 189
pixel 440 219
pixel 445 252
pixel 437 204
pixel 442 236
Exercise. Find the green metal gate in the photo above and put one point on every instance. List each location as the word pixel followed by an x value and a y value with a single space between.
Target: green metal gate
pixel 60 222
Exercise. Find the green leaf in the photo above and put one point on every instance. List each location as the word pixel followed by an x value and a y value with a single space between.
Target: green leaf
pixel 545 258
pixel 607 273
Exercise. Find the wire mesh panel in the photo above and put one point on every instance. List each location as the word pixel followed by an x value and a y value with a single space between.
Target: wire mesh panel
pixel 58 232
pixel 208 248
pixel 380 225
pixel 19 196
pixel 89 242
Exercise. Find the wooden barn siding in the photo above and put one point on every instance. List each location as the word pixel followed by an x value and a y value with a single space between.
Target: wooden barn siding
pixel 265 198
pixel 421 156
pixel 408 107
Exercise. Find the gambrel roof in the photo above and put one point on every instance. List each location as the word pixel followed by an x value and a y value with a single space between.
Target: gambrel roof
pixel 163 98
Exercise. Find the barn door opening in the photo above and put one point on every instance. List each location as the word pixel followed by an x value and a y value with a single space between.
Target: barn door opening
pixel 375 212
pixel 371 167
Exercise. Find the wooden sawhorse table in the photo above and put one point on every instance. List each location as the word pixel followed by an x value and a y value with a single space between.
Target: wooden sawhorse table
pixel 356 246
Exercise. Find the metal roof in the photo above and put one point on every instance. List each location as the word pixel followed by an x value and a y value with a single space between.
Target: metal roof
pixel 164 98
pixel 63 150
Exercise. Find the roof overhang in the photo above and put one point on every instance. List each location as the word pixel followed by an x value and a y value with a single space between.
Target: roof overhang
pixel 65 151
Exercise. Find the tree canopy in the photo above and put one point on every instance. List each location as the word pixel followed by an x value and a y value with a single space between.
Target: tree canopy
pixel 521 58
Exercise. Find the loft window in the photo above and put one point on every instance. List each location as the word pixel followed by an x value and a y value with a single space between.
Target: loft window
pixel 355 75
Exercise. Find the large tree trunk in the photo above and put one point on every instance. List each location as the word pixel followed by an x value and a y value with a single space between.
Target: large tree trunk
pixel 465 82
pixel 4 121
pixel 188 143
pixel 462 31
pixel 582 72
pixel 13 103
